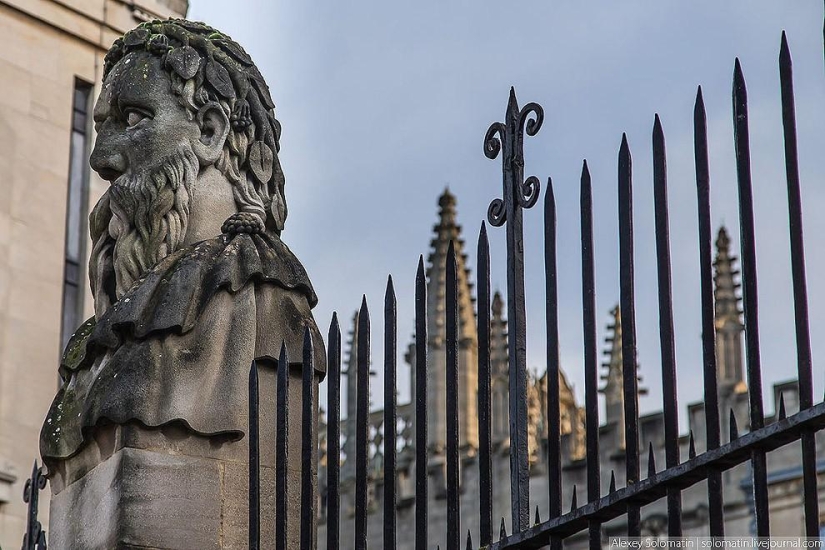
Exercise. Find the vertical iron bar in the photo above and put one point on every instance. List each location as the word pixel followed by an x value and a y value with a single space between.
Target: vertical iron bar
pixel 485 451
pixel 669 396
pixel 552 372
pixel 800 290
pixel 362 397
pixel 254 461
pixel 282 451
pixel 628 312
pixel 712 425
pixel 451 307
pixel 421 407
pixel 591 375
pixel 518 194
pixel 749 293
pixel 516 328
pixel 334 434
pixel 390 413
pixel 308 444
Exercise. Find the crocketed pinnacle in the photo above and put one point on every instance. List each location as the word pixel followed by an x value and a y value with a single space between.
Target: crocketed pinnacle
pixel 612 390
pixel 498 338
pixel 727 302
pixel 447 230
pixel 728 317
pixel 348 469
pixel 614 375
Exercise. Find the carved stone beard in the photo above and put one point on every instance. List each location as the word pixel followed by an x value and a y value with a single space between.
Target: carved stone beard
pixel 149 217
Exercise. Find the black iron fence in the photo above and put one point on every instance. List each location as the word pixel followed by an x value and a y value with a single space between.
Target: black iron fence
pixel 506 140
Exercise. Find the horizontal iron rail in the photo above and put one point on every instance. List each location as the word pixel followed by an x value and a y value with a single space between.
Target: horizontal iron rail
pixel 768 438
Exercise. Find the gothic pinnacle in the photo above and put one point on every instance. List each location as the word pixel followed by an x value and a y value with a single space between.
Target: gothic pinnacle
pixel 724 278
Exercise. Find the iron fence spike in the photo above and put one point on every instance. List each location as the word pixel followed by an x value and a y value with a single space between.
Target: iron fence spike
pixel 254 459
pixel 691 447
pixel 628 340
pixel 651 461
pixel 390 413
pixel 485 451
pixel 309 441
pixel 734 431
pixel 612 488
pixel 554 452
pixel 362 398
pixel 747 241
pixel 591 370
pixel 282 450
pixel 709 367
pixel 421 479
pixel 502 532
pixel 666 333
pixel 781 413
pixel 333 433
pixel 800 290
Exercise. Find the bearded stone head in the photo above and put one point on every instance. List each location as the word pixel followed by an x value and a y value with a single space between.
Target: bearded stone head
pixel 187 138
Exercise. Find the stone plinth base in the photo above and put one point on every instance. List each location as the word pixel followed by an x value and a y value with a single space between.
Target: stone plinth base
pixel 134 487
pixel 147 499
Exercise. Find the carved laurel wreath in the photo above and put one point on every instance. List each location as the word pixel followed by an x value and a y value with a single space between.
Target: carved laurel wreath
pixel 196 51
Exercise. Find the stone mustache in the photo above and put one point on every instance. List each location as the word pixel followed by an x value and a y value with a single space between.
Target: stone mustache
pixel 190 279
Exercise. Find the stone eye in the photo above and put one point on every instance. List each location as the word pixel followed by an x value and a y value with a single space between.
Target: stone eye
pixel 134 117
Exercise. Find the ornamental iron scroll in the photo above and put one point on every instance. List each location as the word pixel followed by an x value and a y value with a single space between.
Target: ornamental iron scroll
pixel 518 193
pixel 35 537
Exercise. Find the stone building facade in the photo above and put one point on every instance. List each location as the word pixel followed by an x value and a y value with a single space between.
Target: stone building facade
pixel 51 62
pixel 785 472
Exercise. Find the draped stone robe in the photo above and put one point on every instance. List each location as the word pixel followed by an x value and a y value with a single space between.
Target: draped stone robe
pixel 177 347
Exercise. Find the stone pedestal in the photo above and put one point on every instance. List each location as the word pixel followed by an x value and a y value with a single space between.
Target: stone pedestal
pixel 143 488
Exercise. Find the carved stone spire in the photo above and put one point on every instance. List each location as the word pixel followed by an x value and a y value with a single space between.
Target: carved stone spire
pixel 728 316
pixel 348 467
pixel 612 390
pixel 447 230
pixel 613 377
pixel 499 371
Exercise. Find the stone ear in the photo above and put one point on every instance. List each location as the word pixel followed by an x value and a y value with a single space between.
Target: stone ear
pixel 214 126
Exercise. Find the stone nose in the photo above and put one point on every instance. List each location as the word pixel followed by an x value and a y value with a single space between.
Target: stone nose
pixel 106 160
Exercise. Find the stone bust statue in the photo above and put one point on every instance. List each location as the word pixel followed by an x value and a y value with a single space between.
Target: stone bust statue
pixel 190 278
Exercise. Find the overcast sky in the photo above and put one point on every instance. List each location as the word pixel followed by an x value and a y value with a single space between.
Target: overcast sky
pixel 383 104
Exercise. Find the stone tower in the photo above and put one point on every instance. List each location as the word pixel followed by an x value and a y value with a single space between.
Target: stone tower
pixel 348 468
pixel 614 381
pixel 728 318
pixel 447 230
pixel 612 390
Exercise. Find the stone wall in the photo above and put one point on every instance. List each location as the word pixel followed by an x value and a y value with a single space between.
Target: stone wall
pixel 44 47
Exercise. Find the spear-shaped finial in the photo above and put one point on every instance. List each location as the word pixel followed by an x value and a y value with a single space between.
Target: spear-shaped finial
pixel 781 413
pixel 651 460
pixel 538 519
pixel 573 504
pixel 734 431
pixel 469 541
pixel 502 532
pixel 612 482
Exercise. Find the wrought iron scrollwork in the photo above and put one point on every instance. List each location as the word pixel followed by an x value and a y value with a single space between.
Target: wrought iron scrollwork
pixel 492 143
pixel 519 193
pixel 509 135
pixel 496 214
pixel 35 537
pixel 528 192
